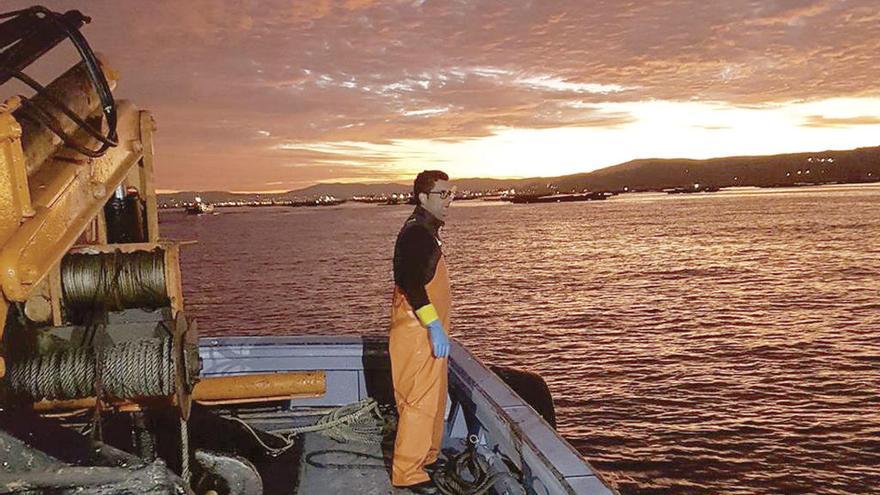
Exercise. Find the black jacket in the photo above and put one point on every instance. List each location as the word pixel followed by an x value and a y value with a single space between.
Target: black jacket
pixel 416 254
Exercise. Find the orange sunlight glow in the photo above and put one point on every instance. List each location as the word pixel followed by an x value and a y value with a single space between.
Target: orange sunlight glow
pixel 660 129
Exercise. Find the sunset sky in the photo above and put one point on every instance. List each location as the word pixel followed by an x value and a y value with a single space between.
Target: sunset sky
pixel 255 95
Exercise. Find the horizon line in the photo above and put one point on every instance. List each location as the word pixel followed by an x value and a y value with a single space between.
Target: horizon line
pixel 319 183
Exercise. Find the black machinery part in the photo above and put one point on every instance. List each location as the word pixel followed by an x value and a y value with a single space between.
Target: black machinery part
pixel 126 219
pixel 28 34
pixel 225 474
pixel 41 456
pixel 532 389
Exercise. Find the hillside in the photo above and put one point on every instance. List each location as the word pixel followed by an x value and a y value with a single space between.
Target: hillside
pixel 858 165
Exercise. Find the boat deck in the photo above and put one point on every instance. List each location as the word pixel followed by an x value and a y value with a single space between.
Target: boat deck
pixel 319 464
pixel 480 406
pixel 331 467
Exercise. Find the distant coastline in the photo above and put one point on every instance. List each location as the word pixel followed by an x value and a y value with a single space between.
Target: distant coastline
pixel 861 165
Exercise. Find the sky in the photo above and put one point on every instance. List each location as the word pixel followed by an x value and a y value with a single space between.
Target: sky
pixel 271 95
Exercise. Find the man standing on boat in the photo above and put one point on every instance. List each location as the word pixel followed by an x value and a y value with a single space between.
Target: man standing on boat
pixel 419 342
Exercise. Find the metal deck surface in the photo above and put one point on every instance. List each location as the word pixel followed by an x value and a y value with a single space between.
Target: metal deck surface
pixel 328 467
pixel 358 367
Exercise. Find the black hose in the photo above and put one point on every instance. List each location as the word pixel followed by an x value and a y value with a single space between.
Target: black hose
pixel 96 75
pixel 42 116
pixel 58 104
pixel 311 460
pixel 467 473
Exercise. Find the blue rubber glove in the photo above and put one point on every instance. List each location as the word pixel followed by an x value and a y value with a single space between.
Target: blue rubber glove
pixel 439 340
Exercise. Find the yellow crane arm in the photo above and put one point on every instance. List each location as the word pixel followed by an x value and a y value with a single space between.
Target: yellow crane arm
pixel 65 195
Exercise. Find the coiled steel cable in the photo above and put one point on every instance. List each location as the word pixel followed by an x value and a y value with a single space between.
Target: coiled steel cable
pixel 185 472
pixel 142 368
pixel 114 281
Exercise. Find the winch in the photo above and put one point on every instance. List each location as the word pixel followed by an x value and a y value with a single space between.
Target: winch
pixel 96 351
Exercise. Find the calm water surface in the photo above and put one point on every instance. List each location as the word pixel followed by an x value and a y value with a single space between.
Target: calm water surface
pixel 723 343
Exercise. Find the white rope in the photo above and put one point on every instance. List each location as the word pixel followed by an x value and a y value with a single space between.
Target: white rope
pixel 358 422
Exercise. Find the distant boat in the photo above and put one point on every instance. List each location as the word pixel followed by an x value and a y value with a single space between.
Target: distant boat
pixel 495 197
pixel 322 201
pixel 560 198
pixel 200 207
pixel 680 190
pixel 399 200
pixel 329 201
pixel 688 190
pixel 369 199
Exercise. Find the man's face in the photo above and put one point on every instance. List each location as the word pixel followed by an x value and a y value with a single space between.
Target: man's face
pixel 438 200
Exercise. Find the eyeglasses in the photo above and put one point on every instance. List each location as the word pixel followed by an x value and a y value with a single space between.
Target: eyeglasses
pixel 444 193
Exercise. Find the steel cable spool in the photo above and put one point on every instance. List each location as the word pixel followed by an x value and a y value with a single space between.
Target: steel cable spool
pixel 113 281
pixel 165 367
pixel 140 368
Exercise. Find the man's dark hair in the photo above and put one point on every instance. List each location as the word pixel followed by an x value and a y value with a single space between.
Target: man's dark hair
pixel 425 181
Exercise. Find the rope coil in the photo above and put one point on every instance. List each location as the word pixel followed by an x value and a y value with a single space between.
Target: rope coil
pixel 142 368
pixel 360 422
pixel 114 281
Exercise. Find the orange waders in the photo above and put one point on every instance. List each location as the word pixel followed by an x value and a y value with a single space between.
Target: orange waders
pixel 419 383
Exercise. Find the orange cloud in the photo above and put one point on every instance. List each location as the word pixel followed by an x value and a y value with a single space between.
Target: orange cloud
pixel 794 15
pixel 822 121
pixel 216 72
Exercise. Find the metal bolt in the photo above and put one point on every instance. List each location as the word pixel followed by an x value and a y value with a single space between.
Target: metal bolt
pixel 29 273
pixel 99 191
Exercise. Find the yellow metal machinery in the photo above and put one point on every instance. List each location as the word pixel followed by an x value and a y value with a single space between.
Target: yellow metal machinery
pixel 48 207
pixel 54 196
pixel 79 237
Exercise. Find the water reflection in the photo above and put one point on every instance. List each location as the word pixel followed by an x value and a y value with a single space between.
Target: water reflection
pixel 720 344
